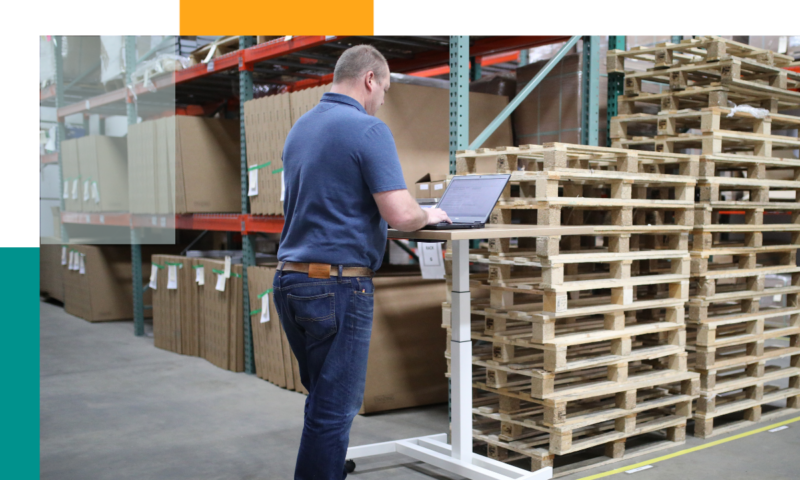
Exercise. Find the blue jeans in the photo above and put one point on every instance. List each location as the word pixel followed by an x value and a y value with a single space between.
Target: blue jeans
pixel 328 323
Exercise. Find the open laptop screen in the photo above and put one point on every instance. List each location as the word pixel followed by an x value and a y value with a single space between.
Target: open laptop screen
pixel 471 198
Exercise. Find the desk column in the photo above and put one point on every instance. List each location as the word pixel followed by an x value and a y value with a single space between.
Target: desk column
pixel 461 354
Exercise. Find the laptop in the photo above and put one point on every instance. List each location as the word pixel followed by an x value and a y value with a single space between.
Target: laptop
pixel 469 200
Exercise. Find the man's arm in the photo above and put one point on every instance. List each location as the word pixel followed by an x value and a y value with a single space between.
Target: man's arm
pixel 403 213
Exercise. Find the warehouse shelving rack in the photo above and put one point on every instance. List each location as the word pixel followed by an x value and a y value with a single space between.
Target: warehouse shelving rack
pixel 459 54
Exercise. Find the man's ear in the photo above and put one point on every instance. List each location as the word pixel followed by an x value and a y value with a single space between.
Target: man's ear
pixel 369 81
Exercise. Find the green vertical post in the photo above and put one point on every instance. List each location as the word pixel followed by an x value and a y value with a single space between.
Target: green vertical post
pixel 523 57
pixel 475 71
pixel 616 83
pixel 590 91
pixel 61 132
pixel 459 96
pixel 136 248
pixel 248 250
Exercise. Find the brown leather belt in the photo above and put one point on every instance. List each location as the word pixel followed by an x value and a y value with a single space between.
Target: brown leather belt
pixel 323 270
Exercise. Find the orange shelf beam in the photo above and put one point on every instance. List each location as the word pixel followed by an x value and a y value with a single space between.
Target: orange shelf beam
pixel 220 222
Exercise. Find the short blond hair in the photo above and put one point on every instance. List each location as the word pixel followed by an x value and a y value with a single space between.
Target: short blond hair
pixel 357 61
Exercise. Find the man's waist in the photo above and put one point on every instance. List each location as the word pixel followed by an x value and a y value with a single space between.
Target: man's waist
pixel 324 270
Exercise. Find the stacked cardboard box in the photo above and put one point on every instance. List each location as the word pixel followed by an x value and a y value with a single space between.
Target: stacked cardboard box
pixel 95 174
pixel 745 352
pixel 51 271
pixel 421 140
pixel 184 165
pixel 98 283
pixel 175 300
pixel 404 369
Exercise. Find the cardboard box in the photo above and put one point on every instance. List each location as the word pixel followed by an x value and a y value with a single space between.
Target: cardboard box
pixel 406 365
pixel 430 186
pixel 51 272
pixel 552 111
pixel 220 317
pixel 184 165
pixel 422 139
pixel 103 291
pixel 175 315
pixel 71 174
pixel 103 162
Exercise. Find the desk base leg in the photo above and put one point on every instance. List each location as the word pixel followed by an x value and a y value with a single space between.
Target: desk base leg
pixel 433 450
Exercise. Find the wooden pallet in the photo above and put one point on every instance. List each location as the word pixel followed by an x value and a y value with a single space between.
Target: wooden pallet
pixel 692 51
pixel 706 120
pixel 740 73
pixel 696 98
pixel 514 430
pixel 746 394
pixel 717 141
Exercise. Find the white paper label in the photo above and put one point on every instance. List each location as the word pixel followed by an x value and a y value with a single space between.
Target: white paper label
pixel 438 186
pixel 75 189
pixel 220 283
pixel 776 298
pixel 627 296
pixel 172 277
pixel 82 268
pixel 283 188
pixel 163 222
pixel 265 308
pixel 66 189
pixel 253 178
pixel 561 303
pixel 431 262
pixel 86 191
pixel 227 267
pixel 95 193
pixel 63 255
pixel 153 277
pixel 424 186
pixel 200 276
pixel 71 264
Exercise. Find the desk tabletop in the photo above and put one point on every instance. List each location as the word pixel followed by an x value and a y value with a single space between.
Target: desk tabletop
pixel 492 231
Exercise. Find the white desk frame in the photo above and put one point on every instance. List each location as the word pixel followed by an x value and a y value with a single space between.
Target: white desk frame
pixel 458 458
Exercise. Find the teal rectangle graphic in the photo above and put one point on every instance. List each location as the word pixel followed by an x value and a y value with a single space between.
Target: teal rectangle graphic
pixel 19 290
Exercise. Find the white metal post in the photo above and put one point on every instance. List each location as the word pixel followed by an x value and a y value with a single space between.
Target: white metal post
pixel 461 354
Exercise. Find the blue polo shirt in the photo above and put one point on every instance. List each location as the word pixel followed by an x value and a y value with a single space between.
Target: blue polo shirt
pixel 335 158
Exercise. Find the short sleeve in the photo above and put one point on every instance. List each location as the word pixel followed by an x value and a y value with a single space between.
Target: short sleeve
pixel 380 165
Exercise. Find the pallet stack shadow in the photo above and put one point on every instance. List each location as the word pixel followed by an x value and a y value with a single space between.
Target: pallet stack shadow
pixel 749 171
pixel 579 346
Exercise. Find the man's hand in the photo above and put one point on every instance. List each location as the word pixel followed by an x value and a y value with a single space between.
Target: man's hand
pixel 402 212
pixel 436 215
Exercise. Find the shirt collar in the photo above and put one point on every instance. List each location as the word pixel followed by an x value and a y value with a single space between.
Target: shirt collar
pixel 344 99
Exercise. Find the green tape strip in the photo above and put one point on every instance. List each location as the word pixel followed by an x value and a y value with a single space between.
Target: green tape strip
pixel 278 170
pixel 255 312
pixel 218 272
pixel 260 295
pixel 197 266
pixel 159 266
pixel 174 264
pixel 258 167
pixel 234 274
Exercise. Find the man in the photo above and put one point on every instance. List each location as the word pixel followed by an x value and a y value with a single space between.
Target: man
pixel 343 184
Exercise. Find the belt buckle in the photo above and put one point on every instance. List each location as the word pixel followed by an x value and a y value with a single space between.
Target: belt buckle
pixel 319 270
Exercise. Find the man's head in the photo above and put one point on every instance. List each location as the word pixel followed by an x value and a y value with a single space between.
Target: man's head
pixel 362 73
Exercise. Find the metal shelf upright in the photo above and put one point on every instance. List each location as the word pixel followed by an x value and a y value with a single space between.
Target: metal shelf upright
pixel 615 86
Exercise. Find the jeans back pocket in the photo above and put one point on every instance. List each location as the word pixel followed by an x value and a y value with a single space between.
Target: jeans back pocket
pixel 315 314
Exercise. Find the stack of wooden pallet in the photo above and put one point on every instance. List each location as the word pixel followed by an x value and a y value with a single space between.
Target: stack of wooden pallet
pixel 748 169
pixel 579 340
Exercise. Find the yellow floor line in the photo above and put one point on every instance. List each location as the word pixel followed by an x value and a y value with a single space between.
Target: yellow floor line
pixel 690 450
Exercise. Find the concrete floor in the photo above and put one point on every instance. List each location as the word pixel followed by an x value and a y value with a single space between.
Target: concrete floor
pixel 115 407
